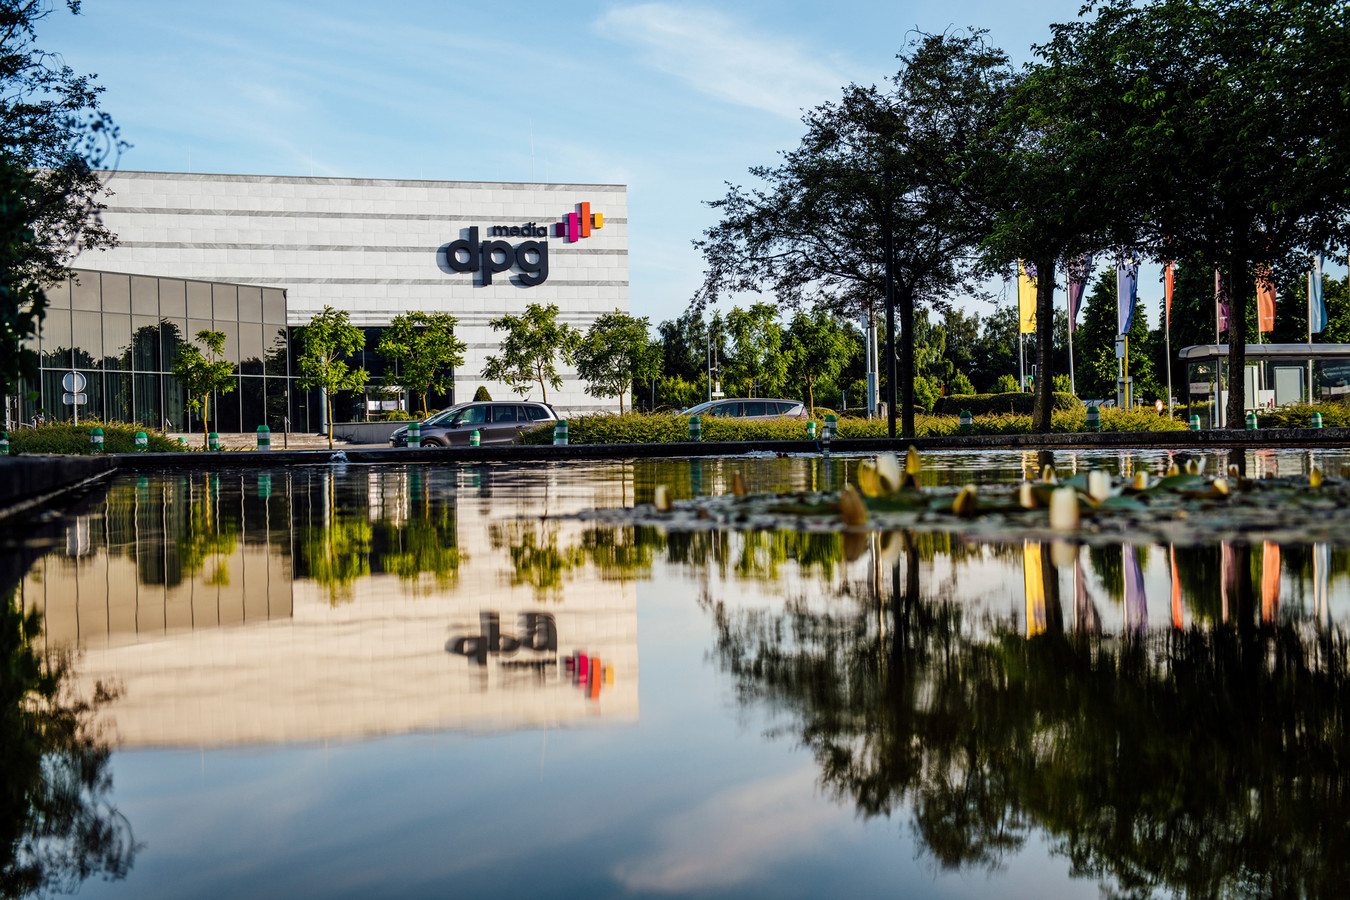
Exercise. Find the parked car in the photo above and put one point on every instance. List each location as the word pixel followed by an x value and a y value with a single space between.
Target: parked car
pixel 496 423
pixel 749 408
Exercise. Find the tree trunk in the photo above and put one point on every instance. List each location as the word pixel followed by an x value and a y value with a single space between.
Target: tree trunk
pixel 906 303
pixel 328 402
pixel 810 400
pixel 1045 331
pixel 1237 287
pixel 206 406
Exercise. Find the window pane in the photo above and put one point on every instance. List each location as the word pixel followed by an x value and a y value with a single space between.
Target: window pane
pixel 225 416
pixel 58 296
pixel 117 396
pixel 116 293
pixel 145 296
pixel 93 389
pixel 537 412
pixel 225 301
pixel 755 408
pixel 55 337
pixel 84 291
pixel 474 415
pixel 250 304
pixel 87 334
pixel 251 403
pixel 147 400
pixel 172 298
pixel 172 333
pixel 193 327
pixel 144 344
pixel 503 414
pixel 116 341
pixel 198 300
pixel 274 306
pixel 251 345
pixel 276 354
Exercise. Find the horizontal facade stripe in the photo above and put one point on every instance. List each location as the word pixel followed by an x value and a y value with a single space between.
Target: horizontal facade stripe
pixel 329 214
pixel 365 182
pixel 333 248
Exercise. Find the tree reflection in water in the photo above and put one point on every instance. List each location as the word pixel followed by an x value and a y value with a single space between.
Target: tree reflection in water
pixel 57 823
pixel 1207 761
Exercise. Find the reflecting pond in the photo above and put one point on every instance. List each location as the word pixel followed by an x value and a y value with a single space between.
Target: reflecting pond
pixel 419 680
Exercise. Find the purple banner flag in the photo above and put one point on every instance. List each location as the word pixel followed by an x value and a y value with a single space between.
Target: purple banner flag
pixel 1127 291
pixel 1220 302
pixel 1136 604
pixel 1078 273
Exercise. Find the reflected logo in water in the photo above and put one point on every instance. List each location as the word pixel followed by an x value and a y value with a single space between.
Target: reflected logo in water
pixel 539 638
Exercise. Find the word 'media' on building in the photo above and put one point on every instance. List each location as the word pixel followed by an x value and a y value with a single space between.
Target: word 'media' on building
pixel 256 257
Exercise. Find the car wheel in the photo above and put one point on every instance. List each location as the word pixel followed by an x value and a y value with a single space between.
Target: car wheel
pixel 430 443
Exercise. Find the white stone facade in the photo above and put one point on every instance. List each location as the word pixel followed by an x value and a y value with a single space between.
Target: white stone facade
pixel 375 248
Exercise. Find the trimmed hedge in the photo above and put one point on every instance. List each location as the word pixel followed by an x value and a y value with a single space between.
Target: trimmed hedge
pixel 1299 415
pixel 67 439
pixel 659 428
pixel 989 404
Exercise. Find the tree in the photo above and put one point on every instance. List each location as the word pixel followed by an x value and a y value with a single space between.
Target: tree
pixel 425 348
pixel 324 342
pixel 203 374
pixel 532 344
pixel 816 350
pixel 1232 122
pixel 615 354
pixel 876 161
pixel 758 359
pixel 1096 345
pixel 53 141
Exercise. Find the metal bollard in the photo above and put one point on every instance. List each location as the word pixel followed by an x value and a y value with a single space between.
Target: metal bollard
pixel 4 443
pixel 213 441
pixel 695 429
pixel 96 440
pixel 560 433
pixel 1094 419
pixel 142 442
pixel 1195 422
pixel 1316 420
pixel 1251 421
pixel 810 431
pixel 474 438
pixel 967 421
pixel 264 438
pixel 831 427
pixel 415 434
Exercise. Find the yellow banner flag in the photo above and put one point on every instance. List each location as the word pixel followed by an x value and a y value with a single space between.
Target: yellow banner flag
pixel 1026 299
pixel 1033 580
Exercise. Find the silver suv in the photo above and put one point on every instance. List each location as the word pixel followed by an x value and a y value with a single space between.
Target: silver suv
pixel 496 423
pixel 749 408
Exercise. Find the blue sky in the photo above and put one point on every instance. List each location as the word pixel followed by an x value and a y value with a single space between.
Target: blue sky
pixel 671 99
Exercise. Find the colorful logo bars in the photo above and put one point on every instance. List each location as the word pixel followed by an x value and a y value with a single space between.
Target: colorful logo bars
pixel 577 225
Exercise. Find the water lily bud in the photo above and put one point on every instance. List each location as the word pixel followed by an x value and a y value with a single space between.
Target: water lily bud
pixel 1233 472
pixel 912 463
pixel 1099 485
pixel 851 507
pixel 1315 479
pixel 888 473
pixel 1221 486
pixel 1062 553
pixel 738 485
pixel 1192 468
pixel 1064 509
pixel 1140 481
pixel 868 482
pixel 1048 475
pixel 661 498
pixel 966 502
pixel 1025 496
pixel 1173 470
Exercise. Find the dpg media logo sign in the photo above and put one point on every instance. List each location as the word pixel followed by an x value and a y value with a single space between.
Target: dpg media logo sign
pixel 492 257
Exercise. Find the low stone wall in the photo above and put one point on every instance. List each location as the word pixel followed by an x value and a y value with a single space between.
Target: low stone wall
pixel 364 432
pixel 28 480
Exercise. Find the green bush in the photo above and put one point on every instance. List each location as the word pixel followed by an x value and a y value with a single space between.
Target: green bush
pixel 989 404
pixel 1299 415
pixel 65 438
pixel 481 395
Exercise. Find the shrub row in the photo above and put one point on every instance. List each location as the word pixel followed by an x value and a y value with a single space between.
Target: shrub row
pixel 988 404
pixel 65 438
pixel 648 428
pixel 1299 415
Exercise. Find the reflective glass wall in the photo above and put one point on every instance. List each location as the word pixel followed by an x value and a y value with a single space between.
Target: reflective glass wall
pixel 123 333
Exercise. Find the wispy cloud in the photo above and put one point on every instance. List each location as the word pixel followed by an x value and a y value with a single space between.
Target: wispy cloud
pixel 733 837
pixel 724 58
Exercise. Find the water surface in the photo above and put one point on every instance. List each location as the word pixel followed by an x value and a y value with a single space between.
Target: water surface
pixel 424 680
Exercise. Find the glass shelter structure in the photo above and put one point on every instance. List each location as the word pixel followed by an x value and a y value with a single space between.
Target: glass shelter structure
pixel 123 332
pixel 1276 375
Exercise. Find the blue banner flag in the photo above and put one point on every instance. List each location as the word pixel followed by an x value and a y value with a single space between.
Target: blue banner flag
pixel 1317 306
pixel 1127 290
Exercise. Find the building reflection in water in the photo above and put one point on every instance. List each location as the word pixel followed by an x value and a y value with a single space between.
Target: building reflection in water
pixel 318 604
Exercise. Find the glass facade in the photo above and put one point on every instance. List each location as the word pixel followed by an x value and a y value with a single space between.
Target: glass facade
pixel 123 333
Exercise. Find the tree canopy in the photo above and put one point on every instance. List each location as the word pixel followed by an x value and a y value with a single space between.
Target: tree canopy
pixel 616 354
pixel 325 341
pixel 204 373
pixel 426 351
pixel 533 345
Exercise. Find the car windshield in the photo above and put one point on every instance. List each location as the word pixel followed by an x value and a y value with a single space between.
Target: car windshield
pixel 696 410
pixel 439 417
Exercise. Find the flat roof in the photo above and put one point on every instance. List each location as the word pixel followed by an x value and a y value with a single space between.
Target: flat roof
pixel 1260 352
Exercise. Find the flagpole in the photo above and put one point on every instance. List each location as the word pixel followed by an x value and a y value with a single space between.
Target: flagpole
pixel 1167 336
pixel 1068 287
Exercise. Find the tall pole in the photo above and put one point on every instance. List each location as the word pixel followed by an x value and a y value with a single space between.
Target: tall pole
pixel 1068 289
pixel 1021 367
pixel 1167 336
pixel 890 305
